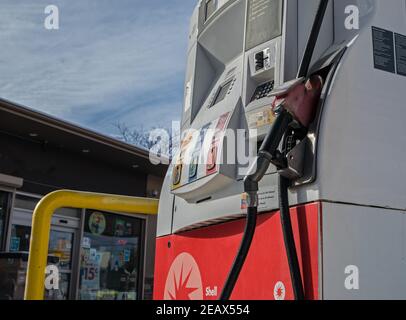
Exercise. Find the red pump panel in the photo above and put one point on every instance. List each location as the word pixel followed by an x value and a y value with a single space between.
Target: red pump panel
pixel 194 265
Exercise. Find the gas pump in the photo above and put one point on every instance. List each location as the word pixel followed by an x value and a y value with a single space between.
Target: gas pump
pixel 291 78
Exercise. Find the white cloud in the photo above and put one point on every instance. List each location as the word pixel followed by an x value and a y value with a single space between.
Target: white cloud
pixel 105 56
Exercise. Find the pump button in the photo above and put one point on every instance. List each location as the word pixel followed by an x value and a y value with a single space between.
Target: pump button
pixel 263 90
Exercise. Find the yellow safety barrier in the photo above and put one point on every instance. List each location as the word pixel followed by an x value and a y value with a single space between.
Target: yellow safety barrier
pixel 41 226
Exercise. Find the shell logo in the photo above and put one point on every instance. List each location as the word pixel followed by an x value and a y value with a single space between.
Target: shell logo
pixel 279 291
pixel 184 281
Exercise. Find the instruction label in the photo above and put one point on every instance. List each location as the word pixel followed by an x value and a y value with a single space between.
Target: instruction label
pixel 400 44
pixel 384 50
pixel 264 21
pixel 266 199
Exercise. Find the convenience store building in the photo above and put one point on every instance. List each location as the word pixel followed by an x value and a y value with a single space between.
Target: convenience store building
pixel 101 255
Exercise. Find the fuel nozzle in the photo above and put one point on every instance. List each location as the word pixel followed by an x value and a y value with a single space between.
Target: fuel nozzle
pixel 295 101
pixel 301 98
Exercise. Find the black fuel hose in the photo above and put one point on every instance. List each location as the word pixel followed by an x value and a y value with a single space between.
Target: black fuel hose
pixel 313 37
pixel 242 254
pixel 257 172
pixel 289 239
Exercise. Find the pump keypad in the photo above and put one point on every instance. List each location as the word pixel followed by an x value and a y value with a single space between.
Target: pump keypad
pixel 263 90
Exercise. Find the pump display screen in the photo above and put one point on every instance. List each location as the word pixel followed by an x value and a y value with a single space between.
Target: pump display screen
pixel 222 92
pixel 264 21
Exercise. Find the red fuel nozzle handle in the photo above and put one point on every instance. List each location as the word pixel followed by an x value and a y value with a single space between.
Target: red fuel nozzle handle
pixel 301 99
pixel 298 101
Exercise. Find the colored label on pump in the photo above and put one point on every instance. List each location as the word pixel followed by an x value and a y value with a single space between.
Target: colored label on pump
pixel 198 156
pixel 194 165
pixel 266 199
pixel 180 161
pixel 261 119
pixel 212 159
pixel 177 175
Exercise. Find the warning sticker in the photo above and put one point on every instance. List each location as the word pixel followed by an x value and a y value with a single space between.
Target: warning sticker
pixel 384 49
pixel 400 44
pixel 266 199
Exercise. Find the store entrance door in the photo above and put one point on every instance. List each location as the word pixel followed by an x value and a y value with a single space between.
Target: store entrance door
pixel 112 257
pixel 62 242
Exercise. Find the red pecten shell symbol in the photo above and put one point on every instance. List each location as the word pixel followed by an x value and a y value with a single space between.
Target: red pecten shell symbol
pixel 184 281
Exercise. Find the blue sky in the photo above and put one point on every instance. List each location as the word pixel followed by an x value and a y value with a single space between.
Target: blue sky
pixel 111 60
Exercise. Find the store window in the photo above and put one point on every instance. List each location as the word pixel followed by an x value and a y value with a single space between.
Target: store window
pixel 4 196
pixel 111 257
pixel 63 239
pixel 59 252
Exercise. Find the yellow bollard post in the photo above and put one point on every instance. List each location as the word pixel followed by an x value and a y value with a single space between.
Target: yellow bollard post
pixel 41 226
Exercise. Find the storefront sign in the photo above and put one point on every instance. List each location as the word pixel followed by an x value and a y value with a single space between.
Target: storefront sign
pixel 86 243
pixel 97 223
pixel 127 255
pixel 91 272
pixel 14 244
